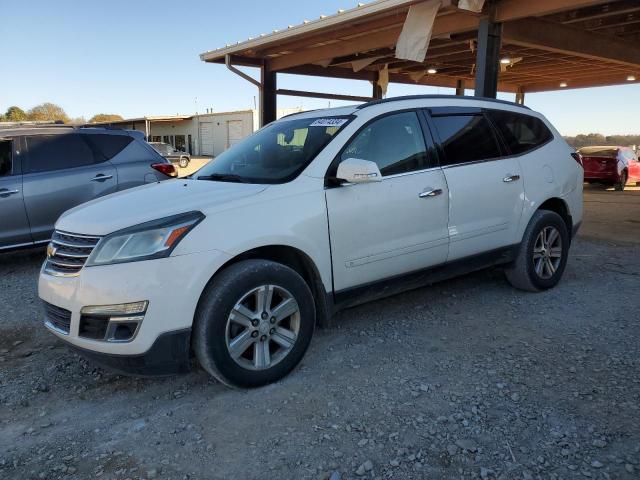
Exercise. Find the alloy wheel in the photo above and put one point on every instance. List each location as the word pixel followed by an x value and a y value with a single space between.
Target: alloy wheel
pixel 262 327
pixel 547 252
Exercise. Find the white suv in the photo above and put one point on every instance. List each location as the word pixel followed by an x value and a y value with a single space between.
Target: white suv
pixel 313 213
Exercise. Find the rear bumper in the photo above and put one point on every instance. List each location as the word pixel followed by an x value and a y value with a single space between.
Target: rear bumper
pixel 169 355
pixel 601 177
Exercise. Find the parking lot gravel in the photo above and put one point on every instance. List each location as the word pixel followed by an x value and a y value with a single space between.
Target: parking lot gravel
pixel 468 378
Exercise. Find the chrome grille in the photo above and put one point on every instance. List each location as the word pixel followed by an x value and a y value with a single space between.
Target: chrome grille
pixel 57 318
pixel 68 252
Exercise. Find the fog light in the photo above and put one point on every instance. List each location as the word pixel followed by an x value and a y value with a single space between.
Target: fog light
pixel 118 309
pixel 112 323
pixel 123 329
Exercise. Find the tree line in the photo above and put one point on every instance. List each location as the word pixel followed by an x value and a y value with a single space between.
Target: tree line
pixel 598 139
pixel 50 112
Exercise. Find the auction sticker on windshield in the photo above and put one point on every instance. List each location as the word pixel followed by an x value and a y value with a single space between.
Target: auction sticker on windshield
pixel 329 122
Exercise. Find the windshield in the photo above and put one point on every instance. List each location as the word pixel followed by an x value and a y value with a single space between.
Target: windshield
pixel 276 153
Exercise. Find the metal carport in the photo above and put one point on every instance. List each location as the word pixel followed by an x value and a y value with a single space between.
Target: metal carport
pixel 516 46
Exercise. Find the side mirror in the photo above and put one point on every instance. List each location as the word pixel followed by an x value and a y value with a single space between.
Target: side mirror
pixel 355 170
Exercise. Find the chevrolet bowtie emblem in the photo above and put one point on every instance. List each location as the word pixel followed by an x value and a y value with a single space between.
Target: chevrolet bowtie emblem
pixel 51 250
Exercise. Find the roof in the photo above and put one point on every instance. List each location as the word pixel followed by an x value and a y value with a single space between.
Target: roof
pixel 546 44
pixel 156 118
pixel 438 101
pixel 165 118
pixel 461 98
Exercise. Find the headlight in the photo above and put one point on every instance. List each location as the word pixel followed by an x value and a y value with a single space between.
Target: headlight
pixel 155 239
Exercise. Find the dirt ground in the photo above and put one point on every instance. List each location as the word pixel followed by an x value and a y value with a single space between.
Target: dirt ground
pixel 466 379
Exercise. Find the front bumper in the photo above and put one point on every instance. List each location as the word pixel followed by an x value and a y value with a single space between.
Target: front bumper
pixel 172 286
pixel 169 355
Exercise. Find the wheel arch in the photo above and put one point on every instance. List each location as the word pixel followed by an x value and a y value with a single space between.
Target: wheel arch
pixel 300 262
pixel 559 206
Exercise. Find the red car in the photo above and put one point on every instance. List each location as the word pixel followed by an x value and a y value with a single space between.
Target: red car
pixel 613 166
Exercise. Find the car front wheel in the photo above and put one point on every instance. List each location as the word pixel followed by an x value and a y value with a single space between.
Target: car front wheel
pixel 183 162
pixel 542 255
pixel 254 323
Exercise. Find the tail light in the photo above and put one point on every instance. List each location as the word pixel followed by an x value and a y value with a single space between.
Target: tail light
pixel 578 158
pixel 167 168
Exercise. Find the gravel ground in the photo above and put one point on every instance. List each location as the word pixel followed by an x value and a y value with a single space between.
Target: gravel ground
pixel 466 379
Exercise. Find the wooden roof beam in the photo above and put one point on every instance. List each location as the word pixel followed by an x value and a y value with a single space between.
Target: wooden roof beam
pixel 597 12
pixel 507 10
pixel 445 24
pixel 542 34
pixel 593 81
pixel 428 80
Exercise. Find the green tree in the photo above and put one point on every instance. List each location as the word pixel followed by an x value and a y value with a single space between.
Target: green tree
pixel 15 114
pixel 48 112
pixel 105 117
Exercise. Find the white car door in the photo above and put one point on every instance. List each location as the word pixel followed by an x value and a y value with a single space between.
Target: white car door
pixel 383 229
pixel 486 192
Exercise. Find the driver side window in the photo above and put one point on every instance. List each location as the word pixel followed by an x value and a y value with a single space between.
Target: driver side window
pixel 394 142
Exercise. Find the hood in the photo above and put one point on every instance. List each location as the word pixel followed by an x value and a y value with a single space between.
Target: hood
pixel 150 202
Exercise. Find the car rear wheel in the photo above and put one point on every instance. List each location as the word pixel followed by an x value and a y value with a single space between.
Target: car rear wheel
pixel 621 183
pixel 254 323
pixel 183 162
pixel 543 253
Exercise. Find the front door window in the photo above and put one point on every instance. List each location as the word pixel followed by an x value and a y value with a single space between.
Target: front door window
pixel 394 142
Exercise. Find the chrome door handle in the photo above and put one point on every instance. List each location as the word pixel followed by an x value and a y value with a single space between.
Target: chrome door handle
pixel 511 178
pixel 5 193
pixel 431 193
pixel 101 178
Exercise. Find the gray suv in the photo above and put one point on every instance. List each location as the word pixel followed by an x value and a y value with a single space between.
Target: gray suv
pixel 45 171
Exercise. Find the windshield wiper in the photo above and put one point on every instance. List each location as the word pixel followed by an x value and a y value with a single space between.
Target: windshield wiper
pixel 223 177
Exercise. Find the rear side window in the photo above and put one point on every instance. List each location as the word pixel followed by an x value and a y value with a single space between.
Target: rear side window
pixel 466 138
pixel 394 142
pixel 6 151
pixel 108 146
pixel 520 132
pixel 57 152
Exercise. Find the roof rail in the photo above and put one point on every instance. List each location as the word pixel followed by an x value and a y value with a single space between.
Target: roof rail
pixel 452 97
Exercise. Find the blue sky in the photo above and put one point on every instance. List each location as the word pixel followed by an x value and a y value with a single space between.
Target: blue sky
pixel 140 57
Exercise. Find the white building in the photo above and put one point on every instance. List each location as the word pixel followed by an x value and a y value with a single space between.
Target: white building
pixel 207 134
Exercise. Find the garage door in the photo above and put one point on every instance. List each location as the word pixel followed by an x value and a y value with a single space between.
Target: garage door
pixel 206 138
pixel 234 132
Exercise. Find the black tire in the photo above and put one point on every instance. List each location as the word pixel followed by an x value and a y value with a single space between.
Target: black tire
pixel 521 273
pixel 215 305
pixel 183 162
pixel 619 187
